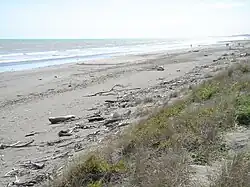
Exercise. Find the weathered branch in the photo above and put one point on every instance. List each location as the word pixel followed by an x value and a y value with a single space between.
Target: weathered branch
pixel 111 90
pixel 16 145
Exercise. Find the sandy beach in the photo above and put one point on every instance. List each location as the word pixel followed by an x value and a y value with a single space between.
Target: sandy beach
pixel 126 86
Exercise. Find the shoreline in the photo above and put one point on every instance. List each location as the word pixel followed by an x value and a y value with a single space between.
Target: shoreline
pixel 35 64
pixel 30 97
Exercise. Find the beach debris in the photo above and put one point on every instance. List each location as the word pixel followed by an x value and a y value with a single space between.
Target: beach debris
pixel 178 70
pixel 52 143
pixel 244 54
pixel 233 60
pixel 40 79
pixel 18 183
pixel 31 134
pixel 205 66
pixel 109 122
pixel 120 103
pixel 196 51
pixel 64 133
pixel 78 147
pixel 121 124
pixel 36 180
pixel 13 172
pixel 127 114
pixel 97 118
pixel 55 120
pixel 62 155
pixel 65 145
pixel 109 92
pixel 55 76
pixel 83 126
pixel 91 109
pixel 111 101
pixel 158 68
pixel 69 85
pixel 67 132
pixel 89 136
pixel 16 145
pixel 115 115
pixel 33 165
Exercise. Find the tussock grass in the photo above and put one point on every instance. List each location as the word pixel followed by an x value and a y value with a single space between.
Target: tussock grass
pixel 159 150
pixel 235 173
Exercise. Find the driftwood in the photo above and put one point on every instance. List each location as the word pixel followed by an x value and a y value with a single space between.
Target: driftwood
pixel 22 184
pixel 54 157
pixel 120 125
pixel 117 101
pixel 111 101
pixel 64 133
pixel 12 173
pixel 98 118
pixel 157 68
pixel 90 109
pixel 107 122
pixel 93 134
pixel 52 143
pixel 31 134
pixel 55 120
pixel 16 145
pixel 78 126
pixel 111 90
pixel 33 165
pixel 65 145
pixel 67 132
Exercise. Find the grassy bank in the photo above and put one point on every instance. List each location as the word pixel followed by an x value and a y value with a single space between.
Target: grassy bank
pixel 160 150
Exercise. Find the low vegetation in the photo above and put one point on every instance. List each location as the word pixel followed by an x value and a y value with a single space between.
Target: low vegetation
pixel 159 151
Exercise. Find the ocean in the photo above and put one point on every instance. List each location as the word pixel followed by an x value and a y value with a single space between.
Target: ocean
pixel 22 54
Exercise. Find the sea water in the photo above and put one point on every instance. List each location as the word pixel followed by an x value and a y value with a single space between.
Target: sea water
pixel 21 54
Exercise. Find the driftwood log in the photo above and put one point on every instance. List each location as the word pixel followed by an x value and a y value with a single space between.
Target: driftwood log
pixel 59 119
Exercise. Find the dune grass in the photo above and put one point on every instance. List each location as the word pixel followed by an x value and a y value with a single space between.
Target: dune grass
pixel 159 150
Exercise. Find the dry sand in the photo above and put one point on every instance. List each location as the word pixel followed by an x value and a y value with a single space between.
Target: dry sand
pixel 29 98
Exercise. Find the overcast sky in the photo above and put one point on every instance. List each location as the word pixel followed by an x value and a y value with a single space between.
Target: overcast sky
pixel 122 18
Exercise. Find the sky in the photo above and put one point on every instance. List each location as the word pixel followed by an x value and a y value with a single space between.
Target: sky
pixel 123 18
